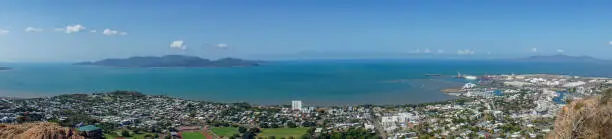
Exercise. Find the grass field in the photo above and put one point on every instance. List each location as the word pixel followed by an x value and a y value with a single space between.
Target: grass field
pixel 193 135
pixel 283 132
pixel 224 131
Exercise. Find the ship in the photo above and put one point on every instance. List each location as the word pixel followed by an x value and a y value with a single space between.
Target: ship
pixel 469 77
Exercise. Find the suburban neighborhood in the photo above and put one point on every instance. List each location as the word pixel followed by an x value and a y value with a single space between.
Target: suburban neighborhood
pixel 490 106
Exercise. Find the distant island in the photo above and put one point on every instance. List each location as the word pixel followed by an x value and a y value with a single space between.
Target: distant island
pixel 172 61
pixel 5 68
pixel 564 58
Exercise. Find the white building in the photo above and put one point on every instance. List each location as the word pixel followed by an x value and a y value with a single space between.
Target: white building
pixel 516 83
pixel 296 105
pixel 369 126
pixel 397 119
pixel 469 86
pixel 574 84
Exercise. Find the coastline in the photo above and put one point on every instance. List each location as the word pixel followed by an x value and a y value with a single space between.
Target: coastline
pixel 411 91
pixel 24 95
pixel 30 96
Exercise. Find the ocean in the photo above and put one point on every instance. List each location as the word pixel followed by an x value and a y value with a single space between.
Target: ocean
pixel 346 82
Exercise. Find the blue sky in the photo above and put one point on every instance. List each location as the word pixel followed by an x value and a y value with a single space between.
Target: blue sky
pixel 289 29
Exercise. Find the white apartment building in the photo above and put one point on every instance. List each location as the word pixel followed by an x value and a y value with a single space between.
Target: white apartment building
pixel 296 105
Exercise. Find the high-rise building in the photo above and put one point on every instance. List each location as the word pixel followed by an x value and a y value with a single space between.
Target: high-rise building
pixel 296 105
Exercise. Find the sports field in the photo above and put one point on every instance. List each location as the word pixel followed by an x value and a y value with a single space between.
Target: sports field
pixel 224 131
pixel 192 135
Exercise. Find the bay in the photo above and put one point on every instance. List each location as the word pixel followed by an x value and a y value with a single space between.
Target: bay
pixel 346 82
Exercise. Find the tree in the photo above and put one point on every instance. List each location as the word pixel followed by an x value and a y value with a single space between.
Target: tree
pixel 255 130
pixel 248 135
pixel 271 137
pixel 108 127
pixel 337 135
pixel 311 130
pixel 125 133
pixel 242 129
pixel 291 125
pixel 308 124
pixel 136 130
pixel 21 119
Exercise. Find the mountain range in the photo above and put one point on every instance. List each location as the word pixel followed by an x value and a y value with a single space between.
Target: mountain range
pixel 172 61
pixel 193 61
pixel 563 59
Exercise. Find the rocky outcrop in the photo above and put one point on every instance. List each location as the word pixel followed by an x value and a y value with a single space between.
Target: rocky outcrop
pixel 589 118
pixel 38 130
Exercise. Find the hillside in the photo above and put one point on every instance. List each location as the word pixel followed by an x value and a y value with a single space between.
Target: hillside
pixel 172 61
pixel 588 118
pixel 39 130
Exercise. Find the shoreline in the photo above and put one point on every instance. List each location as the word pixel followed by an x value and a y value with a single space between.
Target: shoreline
pixel 431 93
pixel 24 95
pixel 238 102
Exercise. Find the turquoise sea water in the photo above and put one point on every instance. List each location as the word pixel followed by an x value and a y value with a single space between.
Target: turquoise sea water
pixel 313 82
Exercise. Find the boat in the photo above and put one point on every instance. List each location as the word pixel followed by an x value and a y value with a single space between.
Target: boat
pixel 458 75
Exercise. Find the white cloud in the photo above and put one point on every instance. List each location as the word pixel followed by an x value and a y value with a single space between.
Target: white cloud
pixel 560 51
pixel 534 49
pixel 465 52
pixel 488 53
pixel 93 31
pixel 72 29
pixel 3 32
pixel 32 29
pixel 222 45
pixel 109 32
pixel 610 42
pixel 178 44
pixel 426 51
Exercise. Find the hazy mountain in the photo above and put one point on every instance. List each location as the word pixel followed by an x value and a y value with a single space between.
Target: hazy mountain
pixel 5 68
pixel 564 58
pixel 172 61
